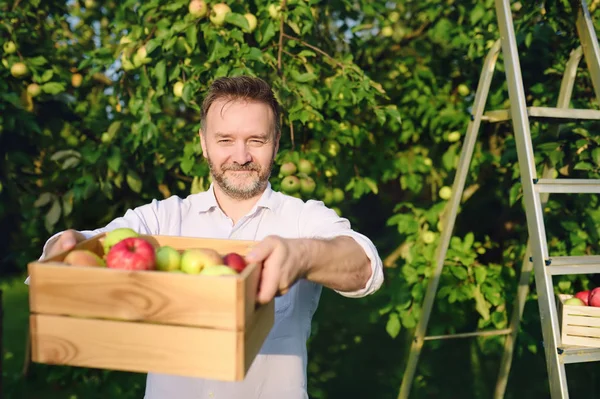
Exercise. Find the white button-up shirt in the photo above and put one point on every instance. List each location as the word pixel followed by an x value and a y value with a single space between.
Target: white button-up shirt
pixel 279 370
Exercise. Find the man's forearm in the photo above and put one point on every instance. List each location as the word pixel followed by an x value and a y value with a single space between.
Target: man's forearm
pixel 340 263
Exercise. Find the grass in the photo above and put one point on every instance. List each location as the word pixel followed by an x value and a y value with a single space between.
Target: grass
pixel 45 381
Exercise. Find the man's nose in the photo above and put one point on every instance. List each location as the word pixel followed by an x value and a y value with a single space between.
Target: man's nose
pixel 241 155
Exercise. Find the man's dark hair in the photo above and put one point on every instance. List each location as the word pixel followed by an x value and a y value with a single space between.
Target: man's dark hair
pixel 241 88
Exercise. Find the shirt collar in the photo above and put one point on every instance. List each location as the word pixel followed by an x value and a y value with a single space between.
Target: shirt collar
pixel 207 200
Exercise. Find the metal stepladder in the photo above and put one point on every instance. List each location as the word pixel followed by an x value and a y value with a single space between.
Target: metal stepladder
pixel 535 194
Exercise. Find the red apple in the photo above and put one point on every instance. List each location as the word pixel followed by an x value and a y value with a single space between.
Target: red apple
pixel 235 261
pixel 584 296
pixel 132 253
pixel 594 299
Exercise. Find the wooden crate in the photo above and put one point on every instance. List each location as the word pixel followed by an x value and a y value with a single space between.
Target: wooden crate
pixel 148 321
pixel 580 325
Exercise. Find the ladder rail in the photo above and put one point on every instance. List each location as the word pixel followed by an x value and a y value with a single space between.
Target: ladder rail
pixel 534 211
pixel 450 216
pixel 589 43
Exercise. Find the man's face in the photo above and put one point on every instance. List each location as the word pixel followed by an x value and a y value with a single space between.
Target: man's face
pixel 239 144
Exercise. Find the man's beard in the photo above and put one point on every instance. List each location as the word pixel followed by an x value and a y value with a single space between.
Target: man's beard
pixel 255 181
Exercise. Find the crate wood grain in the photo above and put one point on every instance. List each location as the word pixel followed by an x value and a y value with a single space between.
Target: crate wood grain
pixel 148 321
pixel 580 325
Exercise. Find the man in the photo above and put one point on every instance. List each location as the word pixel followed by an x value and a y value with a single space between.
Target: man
pixel 301 245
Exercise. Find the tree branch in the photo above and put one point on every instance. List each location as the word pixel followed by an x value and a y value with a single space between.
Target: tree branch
pixel 318 50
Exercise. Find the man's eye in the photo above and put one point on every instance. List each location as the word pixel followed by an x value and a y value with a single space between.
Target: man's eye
pixel 224 141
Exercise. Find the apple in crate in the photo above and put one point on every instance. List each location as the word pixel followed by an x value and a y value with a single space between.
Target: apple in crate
pixel 235 261
pixel 168 259
pixel 116 235
pixel 218 270
pixel 574 302
pixel 133 253
pixel 594 297
pixel 584 296
pixel 193 260
pixel 83 257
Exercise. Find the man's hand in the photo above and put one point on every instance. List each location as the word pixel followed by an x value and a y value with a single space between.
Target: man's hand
pixel 283 264
pixel 66 241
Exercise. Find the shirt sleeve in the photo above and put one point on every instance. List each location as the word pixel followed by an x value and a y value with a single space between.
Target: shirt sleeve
pixel 319 221
pixel 143 219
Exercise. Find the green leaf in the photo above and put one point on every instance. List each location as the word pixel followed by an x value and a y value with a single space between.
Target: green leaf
pixel 393 325
pixel 43 200
pixel 160 72
pixel 266 32
pixel 53 87
pixel 481 305
pixel 238 20
pixel 46 76
pixel 134 181
pixel 459 272
pixel 53 215
pixel 191 35
pixel 480 274
pixel 302 77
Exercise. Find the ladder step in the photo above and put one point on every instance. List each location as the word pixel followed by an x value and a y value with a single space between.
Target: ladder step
pixel 563 265
pixel 545 113
pixel 578 354
pixel 486 333
pixel 572 186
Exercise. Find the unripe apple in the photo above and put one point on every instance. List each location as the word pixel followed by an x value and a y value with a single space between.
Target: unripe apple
pixel 290 184
pixel 288 168
pixel 218 270
pixel 428 237
pixel 178 89
pixel 19 70
pixel 307 185
pixel 445 192
pixel 198 8
pixel 252 21
pixel 453 136
pixel 34 89
pixel 463 90
pixel 76 79
pixel 9 47
pixel 218 13
pixel 274 10
pixel 305 166
pixel 338 195
pixel 387 31
pixel 332 147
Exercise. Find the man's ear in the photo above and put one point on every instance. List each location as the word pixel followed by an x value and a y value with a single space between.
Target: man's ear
pixel 202 142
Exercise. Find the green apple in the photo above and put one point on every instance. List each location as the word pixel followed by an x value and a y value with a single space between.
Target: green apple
pixel 34 89
pixel 290 184
pixel 387 31
pixel 307 185
pixel 574 302
pixel 288 169
pixel 252 21
pixel 9 47
pixel 178 89
pixel 19 70
pixel 428 237
pixel 83 257
pixel 332 147
pixel 218 270
pixel 116 235
pixel 141 57
pixel 193 260
pixel 305 166
pixel 445 192
pixel 198 8
pixel 218 13
pixel 463 90
pixel 274 10
pixel 453 136
pixel 168 259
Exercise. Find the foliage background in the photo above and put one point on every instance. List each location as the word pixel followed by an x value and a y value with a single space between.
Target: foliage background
pixel 374 93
